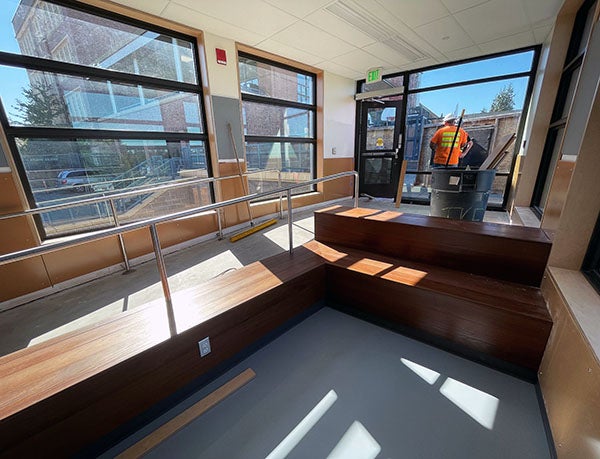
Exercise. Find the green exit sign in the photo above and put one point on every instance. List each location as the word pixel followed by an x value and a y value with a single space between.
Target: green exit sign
pixel 373 75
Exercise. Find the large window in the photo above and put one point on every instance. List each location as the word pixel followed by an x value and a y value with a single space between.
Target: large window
pixel 94 103
pixel 279 116
pixel 494 92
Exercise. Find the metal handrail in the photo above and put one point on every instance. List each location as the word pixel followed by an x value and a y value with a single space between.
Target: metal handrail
pixel 126 194
pixel 152 222
pixel 111 198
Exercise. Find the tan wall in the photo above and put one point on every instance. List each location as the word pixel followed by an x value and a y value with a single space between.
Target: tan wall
pixel 545 89
pixel 570 379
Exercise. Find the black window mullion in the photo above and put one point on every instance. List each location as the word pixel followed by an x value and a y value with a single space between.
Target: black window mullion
pixel 74 133
pixel 276 139
pixel 95 73
pixel 470 82
pixel 279 102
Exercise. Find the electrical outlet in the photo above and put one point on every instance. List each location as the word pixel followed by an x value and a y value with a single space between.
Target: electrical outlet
pixel 334 151
pixel 204 346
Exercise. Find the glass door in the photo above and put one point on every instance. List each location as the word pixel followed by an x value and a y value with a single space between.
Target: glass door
pixel 380 143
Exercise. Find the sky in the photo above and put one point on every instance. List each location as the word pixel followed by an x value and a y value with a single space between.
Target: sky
pixel 13 80
pixel 474 98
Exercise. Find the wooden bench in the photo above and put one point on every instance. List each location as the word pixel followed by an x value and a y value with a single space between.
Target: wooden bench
pixel 64 394
pixel 474 285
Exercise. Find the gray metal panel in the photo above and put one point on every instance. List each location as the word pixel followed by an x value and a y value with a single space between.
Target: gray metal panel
pixel 228 111
pixel 3 161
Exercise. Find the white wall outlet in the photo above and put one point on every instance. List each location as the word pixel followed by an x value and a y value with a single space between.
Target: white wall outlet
pixel 334 151
pixel 204 346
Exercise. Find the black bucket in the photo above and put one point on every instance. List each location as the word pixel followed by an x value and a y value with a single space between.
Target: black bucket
pixel 460 194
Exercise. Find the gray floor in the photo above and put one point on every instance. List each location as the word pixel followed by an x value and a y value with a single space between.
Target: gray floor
pixel 105 297
pixel 381 395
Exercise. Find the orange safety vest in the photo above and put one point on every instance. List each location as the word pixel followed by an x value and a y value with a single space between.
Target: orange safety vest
pixel 443 140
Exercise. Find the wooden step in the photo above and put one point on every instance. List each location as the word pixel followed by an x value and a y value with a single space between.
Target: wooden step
pixel 490 317
pixel 513 253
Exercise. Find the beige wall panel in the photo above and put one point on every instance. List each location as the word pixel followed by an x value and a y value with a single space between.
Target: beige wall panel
pixel 82 259
pixel 549 71
pixel 17 233
pixel 23 277
pixel 570 383
pixel 557 195
pixel 183 230
pixel 138 243
pixel 341 187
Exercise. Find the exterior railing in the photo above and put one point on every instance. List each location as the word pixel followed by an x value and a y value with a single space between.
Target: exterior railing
pixel 151 223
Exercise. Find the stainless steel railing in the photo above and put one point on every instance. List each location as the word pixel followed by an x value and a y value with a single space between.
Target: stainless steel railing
pixel 152 222
pixel 112 197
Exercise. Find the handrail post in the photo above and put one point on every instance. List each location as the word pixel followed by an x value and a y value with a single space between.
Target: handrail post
pixel 162 271
pixel 220 234
pixel 356 189
pixel 289 212
pixel 113 209
pixel 280 195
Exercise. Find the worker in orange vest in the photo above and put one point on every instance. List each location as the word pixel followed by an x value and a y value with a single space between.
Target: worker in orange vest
pixel 445 142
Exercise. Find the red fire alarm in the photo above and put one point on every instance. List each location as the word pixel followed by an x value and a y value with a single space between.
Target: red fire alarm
pixel 221 56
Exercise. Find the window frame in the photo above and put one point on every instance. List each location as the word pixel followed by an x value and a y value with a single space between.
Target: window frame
pixel 272 101
pixel 536 49
pixel 78 70
pixel 573 62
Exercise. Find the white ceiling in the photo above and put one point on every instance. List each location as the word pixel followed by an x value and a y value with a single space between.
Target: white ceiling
pixel 347 37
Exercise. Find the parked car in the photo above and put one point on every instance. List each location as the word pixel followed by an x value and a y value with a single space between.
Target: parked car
pixel 81 180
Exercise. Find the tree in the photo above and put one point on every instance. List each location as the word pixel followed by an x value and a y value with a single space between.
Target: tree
pixel 504 100
pixel 41 106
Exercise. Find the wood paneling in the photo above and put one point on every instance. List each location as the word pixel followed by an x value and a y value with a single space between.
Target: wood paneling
pixel 570 381
pixel 23 277
pixel 558 191
pixel 511 253
pixel 340 188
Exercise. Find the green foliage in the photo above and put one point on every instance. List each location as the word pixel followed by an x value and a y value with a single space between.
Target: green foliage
pixel 41 106
pixel 504 100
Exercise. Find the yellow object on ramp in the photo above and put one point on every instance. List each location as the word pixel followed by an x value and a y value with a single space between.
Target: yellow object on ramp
pixel 254 229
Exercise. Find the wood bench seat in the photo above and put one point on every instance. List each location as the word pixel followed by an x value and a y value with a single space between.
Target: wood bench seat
pixel 513 253
pixel 492 317
pixel 63 394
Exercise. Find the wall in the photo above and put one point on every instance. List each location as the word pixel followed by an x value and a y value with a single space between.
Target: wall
pixel 338 136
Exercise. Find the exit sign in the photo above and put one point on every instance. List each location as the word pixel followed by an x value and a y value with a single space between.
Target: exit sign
pixel 374 75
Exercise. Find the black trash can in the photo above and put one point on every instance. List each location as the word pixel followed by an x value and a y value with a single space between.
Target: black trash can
pixel 461 194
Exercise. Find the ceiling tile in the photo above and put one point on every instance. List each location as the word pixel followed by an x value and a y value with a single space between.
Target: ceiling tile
pixel 201 21
pixel 340 70
pixel 459 5
pixel 290 52
pixel 386 53
pixel 494 19
pixel 416 13
pixel 541 11
pixel 360 60
pixel 464 53
pixel 541 33
pixel 300 8
pixel 308 38
pixel 154 7
pixel 252 15
pixel 445 34
pixel 326 21
pixel 508 43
